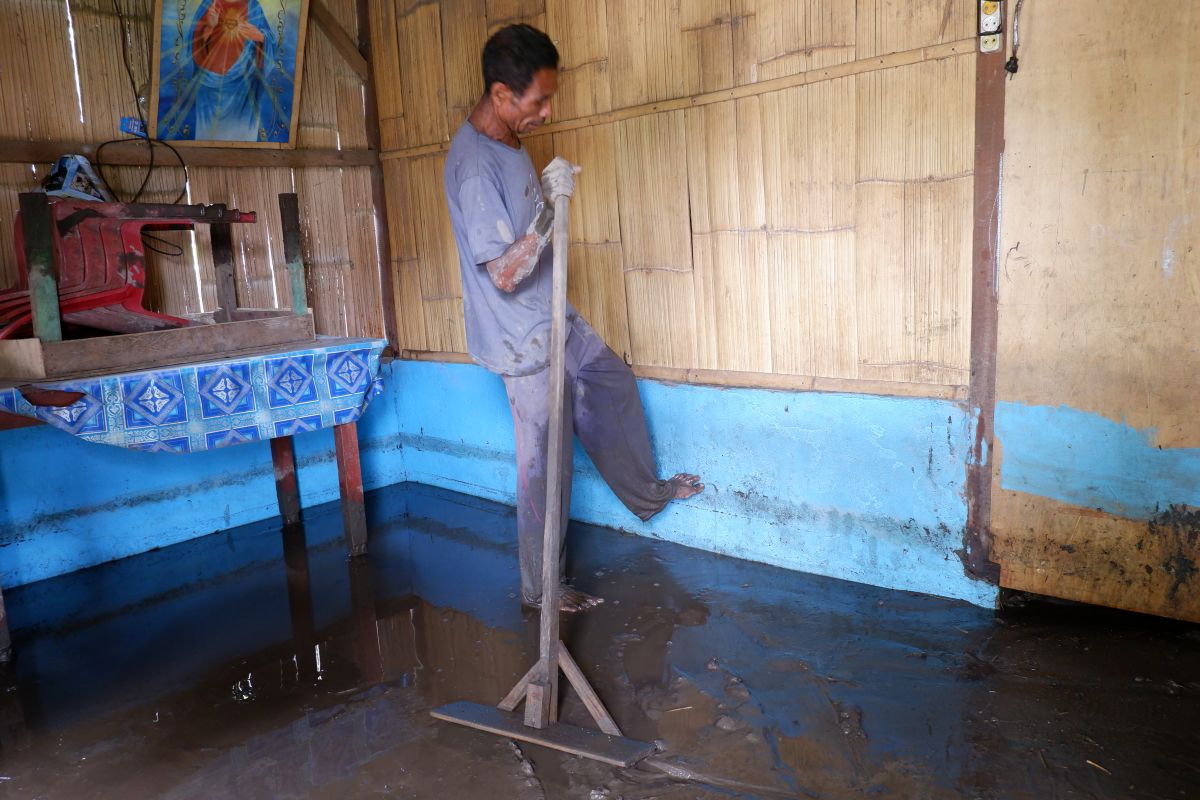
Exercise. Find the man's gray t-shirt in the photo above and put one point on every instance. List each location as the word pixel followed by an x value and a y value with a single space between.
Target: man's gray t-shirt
pixel 494 194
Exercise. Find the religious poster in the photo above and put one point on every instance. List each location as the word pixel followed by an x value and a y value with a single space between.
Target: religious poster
pixel 227 72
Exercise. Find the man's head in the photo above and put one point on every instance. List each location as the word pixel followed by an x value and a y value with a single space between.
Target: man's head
pixel 520 75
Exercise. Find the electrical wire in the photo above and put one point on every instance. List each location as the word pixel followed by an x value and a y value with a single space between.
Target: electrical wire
pixel 1012 65
pixel 176 250
pixel 145 137
pixel 1016 26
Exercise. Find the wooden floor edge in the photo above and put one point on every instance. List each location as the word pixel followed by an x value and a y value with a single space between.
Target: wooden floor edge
pixel 135 153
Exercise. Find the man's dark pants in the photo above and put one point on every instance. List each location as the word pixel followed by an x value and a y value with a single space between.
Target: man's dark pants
pixel 601 399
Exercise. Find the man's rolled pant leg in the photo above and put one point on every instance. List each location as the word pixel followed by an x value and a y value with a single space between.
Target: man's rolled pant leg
pixel 611 424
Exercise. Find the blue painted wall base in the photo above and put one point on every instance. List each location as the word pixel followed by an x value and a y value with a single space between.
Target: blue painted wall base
pixel 864 488
pixel 869 489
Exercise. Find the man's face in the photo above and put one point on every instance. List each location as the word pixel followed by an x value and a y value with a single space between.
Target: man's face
pixel 530 110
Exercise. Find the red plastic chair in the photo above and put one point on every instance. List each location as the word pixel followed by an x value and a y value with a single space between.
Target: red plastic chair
pixel 101 263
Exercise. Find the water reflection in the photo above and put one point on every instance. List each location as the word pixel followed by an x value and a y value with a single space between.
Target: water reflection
pixel 263 663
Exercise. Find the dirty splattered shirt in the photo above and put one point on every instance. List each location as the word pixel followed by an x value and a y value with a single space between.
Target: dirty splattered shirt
pixel 494 194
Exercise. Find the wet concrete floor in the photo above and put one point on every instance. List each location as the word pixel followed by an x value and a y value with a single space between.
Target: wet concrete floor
pixel 250 664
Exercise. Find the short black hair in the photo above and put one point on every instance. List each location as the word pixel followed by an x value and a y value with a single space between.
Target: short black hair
pixel 513 54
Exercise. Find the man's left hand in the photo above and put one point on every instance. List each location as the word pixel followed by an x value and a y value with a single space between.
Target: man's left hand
pixel 558 178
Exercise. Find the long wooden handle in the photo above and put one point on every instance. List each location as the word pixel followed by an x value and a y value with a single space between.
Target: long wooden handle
pixel 538 714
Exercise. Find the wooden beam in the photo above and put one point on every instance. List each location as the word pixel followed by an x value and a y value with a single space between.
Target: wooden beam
pixel 755 380
pixel 134 153
pixel 29 359
pixel 985 309
pixel 517 693
pixel 221 240
pixel 328 24
pixel 289 216
pixel 379 201
pixel 587 694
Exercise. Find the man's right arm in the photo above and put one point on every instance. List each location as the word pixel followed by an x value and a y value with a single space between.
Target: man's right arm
pixel 519 260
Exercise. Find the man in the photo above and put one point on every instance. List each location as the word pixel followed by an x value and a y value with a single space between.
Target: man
pixel 502 218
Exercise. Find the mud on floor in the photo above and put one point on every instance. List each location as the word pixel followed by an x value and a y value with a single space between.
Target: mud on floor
pixel 250 664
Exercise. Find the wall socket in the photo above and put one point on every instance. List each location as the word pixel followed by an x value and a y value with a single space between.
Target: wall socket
pixel 991 25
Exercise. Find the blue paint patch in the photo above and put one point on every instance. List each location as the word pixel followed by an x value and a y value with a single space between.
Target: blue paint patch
pixel 1088 460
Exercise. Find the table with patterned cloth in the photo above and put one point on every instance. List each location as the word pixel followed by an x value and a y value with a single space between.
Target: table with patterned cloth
pixel 220 402
pixel 269 394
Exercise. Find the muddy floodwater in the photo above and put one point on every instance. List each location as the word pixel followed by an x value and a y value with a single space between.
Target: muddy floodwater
pixel 257 664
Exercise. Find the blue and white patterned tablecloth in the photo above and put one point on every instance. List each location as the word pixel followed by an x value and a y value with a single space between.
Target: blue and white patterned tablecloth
pixel 218 403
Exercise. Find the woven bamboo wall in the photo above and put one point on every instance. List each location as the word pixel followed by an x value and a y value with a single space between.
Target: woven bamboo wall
pixel 769 186
pixel 63 79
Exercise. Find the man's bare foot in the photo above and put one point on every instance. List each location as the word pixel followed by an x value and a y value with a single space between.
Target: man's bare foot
pixel 570 601
pixel 686 485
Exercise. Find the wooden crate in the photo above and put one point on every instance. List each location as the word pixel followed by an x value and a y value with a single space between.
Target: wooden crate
pixel 32 359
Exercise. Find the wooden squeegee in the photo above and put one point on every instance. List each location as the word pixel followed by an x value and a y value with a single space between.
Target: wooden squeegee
pixel 539 687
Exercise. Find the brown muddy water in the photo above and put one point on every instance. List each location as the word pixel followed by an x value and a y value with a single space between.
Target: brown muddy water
pixel 250 664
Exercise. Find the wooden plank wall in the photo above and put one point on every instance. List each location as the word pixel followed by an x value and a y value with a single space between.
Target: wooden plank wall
pixel 63 79
pixel 772 189
pixel 1100 289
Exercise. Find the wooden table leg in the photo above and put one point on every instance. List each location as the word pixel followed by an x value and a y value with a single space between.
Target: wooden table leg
pixel 37 227
pixel 287 487
pixel 354 512
pixel 223 268
pixel 289 216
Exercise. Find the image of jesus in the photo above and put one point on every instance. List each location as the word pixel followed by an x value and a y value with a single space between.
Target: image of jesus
pixel 229 84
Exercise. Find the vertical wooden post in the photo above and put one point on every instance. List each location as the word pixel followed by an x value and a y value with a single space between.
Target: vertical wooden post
pixel 222 253
pixel 354 511
pixel 543 690
pixel 383 249
pixel 287 485
pixel 289 213
pixel 36 225
pixel 989 152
